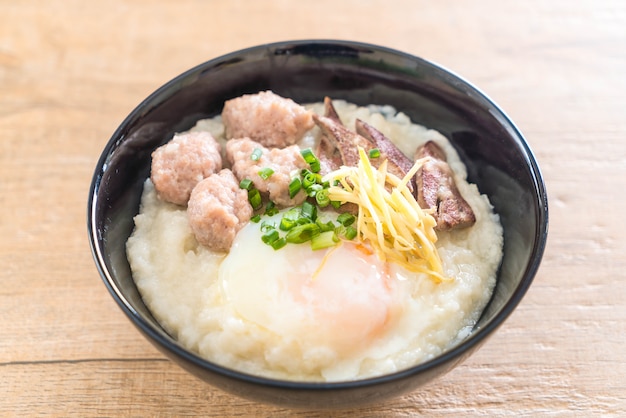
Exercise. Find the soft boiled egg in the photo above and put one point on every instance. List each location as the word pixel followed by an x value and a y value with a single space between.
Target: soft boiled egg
pixel 338 299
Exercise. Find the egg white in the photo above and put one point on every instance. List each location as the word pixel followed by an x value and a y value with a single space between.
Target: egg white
pixel 339 299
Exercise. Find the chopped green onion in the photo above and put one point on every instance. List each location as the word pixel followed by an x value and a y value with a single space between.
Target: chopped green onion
pixel 335 204
pixel 256 154
pixel 313 190
pixel 321 197
pixel 294 187
pixel 309 211
pixel 246 184
pixel 256 218
pixel 286 224
pixel 270 209
pixel 346 219
pixel 324 240
pixel 302 220
pixel 267 226
pixel 309 179
pixel 270 236
pixel 302 233
pixel 308 155
pixel 311 159
pixel 289 219
pixel 374 153
pixel 328 226
pixel 350 232
pixel 254 197
pixel 265 173
pixel 279 243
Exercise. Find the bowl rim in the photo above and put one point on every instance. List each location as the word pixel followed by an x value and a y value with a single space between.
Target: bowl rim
pixel 477 337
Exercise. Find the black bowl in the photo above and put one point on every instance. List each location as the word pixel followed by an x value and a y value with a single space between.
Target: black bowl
pixel 499 161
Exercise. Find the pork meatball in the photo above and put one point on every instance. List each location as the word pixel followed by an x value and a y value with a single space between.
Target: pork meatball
pixel 285 163
pixel 267 118
pixel 182 163
pixel 217 210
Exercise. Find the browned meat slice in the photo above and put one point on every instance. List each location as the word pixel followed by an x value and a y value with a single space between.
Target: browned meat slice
pixel 182 163
pixel 437 190
pixel 285 162
pixel 267 118
pixel 347 142
pixel 217 210
pixel 329 156
pixel 326 152
pixel 430 149
pixel 329 110
pixel 399 164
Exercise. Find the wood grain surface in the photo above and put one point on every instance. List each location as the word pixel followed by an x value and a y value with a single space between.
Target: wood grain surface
pixel 70 71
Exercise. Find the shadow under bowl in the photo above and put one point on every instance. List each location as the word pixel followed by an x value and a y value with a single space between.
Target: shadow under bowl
pixel 498 159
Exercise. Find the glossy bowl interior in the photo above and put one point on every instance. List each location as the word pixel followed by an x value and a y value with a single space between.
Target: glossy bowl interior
pixel 499 161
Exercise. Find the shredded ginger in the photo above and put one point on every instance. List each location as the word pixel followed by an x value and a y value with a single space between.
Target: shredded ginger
pixel 389 217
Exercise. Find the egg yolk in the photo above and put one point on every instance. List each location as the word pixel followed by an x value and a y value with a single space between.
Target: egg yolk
pixel 340 298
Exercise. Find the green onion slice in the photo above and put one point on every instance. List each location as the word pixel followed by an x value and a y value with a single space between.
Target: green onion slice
pixel 246 184
pixel 374 153
pixel 324 240
pixel 289 219
pixel 302 220
pixel 346 219
pixel 265 173
pixel 309 179
pixel 309 211
pixel 256 154
pixel 302 233
pixel 311 159
pixel 270 209
pixel 313 190
pixel 286 224
pixel 294 187
pixel 267 226
pixel 315 167
pixel 325 226
pixel 321 197
pixel 350 232
pixel 270 236
pixel 279 243
pixel 254 197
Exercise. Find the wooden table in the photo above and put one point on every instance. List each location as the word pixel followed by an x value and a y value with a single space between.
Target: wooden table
pixel 70 71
